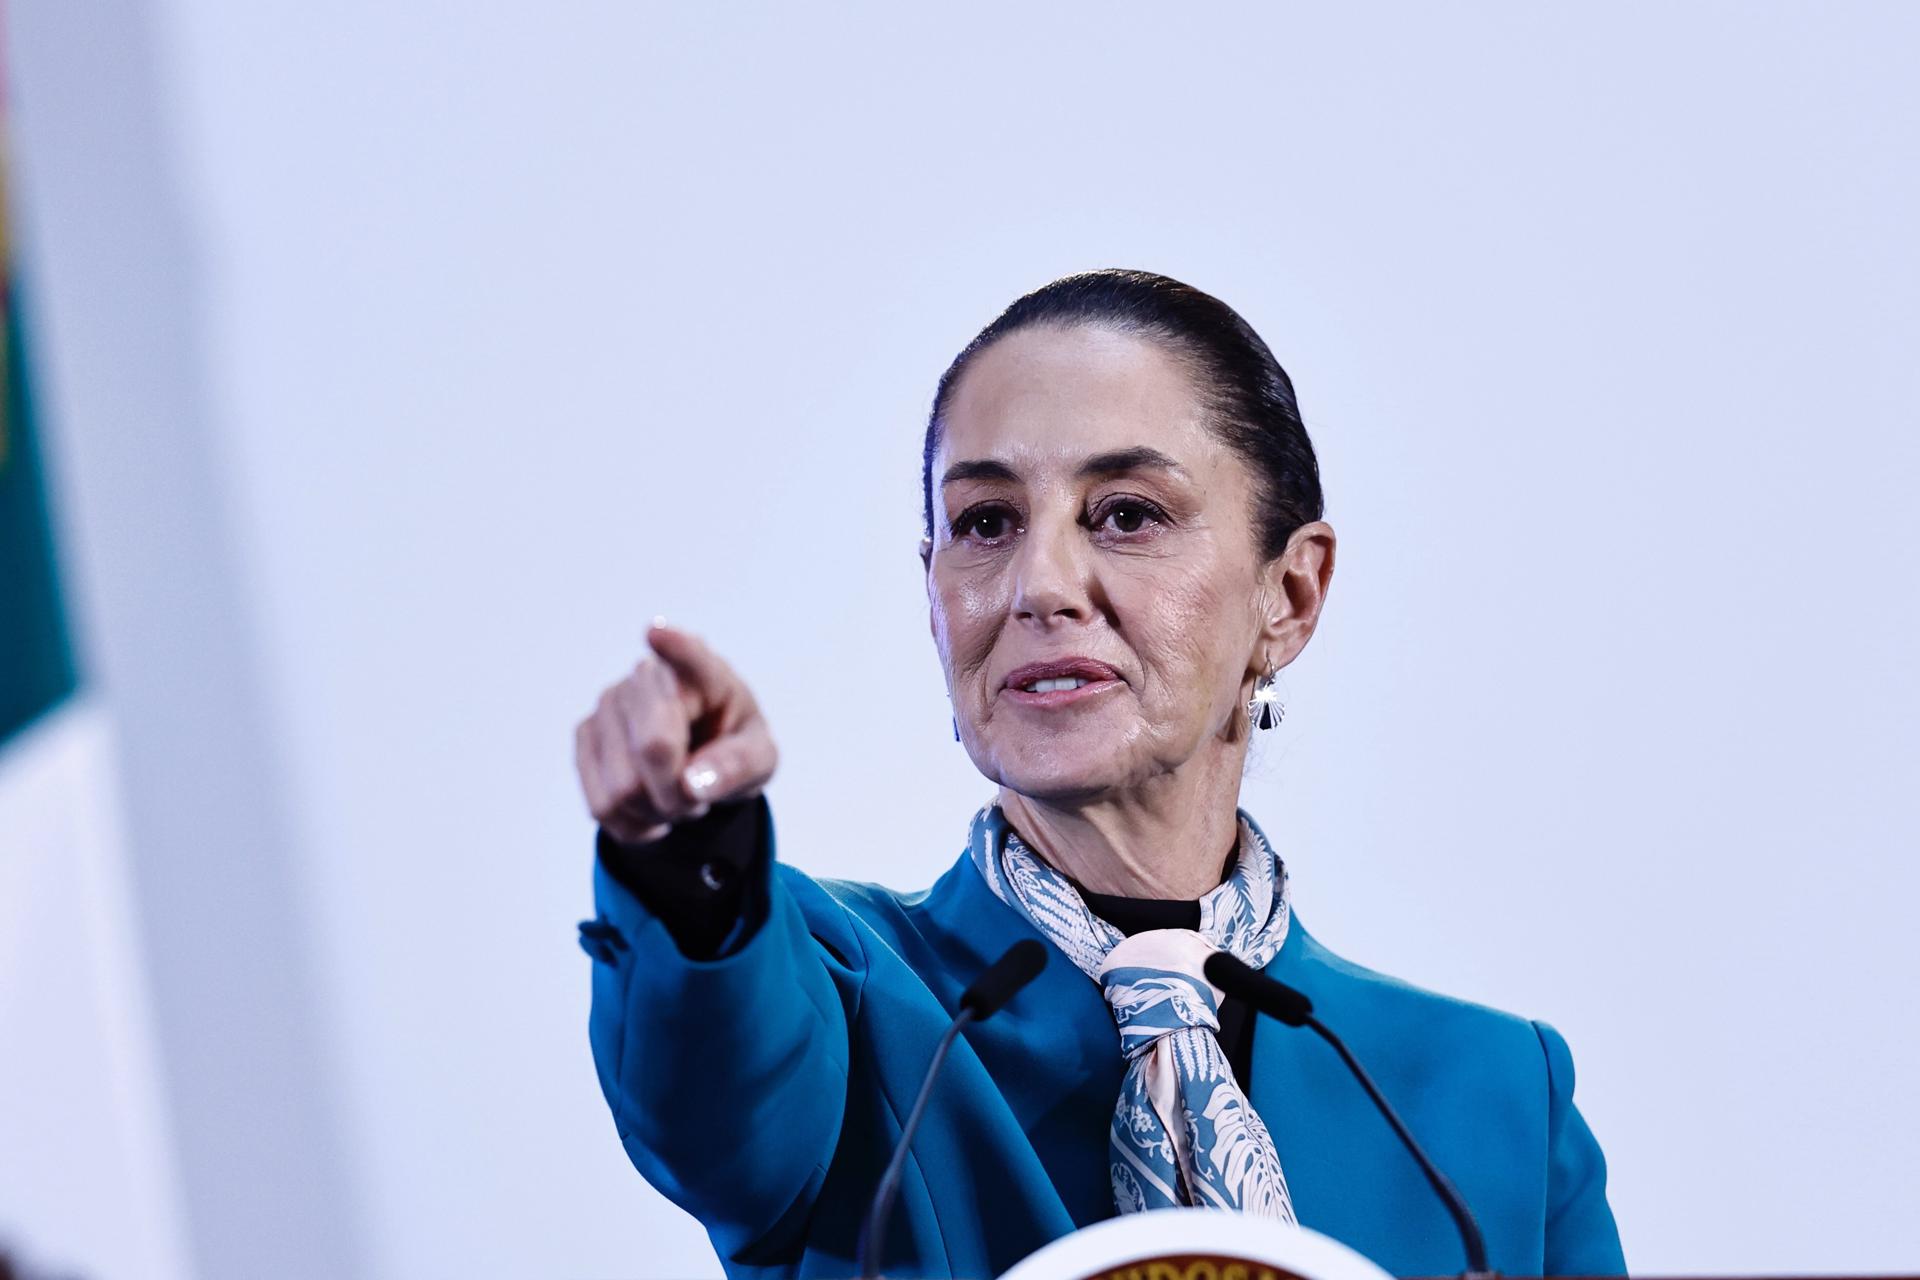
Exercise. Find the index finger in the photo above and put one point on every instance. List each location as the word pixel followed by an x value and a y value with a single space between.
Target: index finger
pixel 695 665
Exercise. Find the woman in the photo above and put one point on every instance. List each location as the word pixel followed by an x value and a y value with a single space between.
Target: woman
pixel 1123 545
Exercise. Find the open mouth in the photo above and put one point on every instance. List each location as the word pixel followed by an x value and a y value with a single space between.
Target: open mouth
pixel 1060 691
pixel 1054 683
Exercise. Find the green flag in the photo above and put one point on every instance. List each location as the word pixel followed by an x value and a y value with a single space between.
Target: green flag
pixel 36 661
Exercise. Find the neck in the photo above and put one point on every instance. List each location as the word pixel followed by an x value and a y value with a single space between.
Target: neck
pixel 1163 840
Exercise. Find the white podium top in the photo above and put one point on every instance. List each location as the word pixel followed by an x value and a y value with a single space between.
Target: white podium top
pixel 1195 1244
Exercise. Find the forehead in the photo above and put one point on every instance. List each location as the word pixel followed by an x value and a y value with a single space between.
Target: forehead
pixel 1049 396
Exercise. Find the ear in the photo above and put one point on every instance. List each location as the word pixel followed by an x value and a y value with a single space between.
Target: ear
pixel 1293 589
pixel 926 563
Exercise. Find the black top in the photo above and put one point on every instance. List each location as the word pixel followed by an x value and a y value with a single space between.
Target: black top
pixel 694 879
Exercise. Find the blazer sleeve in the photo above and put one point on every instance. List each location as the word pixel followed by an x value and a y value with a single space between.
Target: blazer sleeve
pixel 1582 1239
pixel 726 1075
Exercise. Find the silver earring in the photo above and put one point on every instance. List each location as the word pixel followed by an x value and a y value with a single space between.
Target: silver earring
pixel 1264 708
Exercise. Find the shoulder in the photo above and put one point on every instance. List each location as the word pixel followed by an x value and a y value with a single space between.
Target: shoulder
pixel 1430 1036
pixel 1490 1092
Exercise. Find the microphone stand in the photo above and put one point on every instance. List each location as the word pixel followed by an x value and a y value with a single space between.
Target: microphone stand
pixel 1476 1245
pixel 1281 1002
pixel 1020 964
pixel 890 1180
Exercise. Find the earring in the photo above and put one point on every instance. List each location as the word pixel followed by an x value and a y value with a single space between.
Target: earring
pixel 956 729
pixel 1264 708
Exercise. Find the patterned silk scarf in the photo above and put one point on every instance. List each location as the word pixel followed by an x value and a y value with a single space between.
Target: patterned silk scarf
pixel 1183 1132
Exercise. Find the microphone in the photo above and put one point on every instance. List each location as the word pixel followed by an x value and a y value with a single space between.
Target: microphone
pixel 1003 979
pixel 1292 1007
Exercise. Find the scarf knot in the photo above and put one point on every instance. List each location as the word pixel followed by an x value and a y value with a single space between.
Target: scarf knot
pixel 1155 986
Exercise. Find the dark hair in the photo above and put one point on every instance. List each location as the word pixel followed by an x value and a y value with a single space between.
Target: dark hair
pixel 1248 396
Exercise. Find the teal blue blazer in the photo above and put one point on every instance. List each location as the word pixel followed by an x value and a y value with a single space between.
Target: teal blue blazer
pixel 763 1092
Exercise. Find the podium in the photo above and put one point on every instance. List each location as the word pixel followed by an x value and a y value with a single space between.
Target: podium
pixel 1195 1244
pixel 1209 1244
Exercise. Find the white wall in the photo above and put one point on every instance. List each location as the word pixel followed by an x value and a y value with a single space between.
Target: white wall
pixel 507 327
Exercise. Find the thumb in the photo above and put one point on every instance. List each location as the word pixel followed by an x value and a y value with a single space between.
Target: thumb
pixel 731 767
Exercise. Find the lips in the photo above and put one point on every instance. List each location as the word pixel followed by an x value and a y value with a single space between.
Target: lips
pixel 1059 669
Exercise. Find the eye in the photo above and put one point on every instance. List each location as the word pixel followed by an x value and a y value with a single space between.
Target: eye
pixel 989 521
pixel 1129 516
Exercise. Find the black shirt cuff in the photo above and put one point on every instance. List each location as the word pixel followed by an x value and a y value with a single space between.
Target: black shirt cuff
pixel 705 880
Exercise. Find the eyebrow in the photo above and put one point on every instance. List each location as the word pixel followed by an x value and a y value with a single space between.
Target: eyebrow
pixel 1111 463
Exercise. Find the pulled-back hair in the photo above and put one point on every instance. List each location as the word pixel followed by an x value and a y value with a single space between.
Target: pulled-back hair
pixel 1247 396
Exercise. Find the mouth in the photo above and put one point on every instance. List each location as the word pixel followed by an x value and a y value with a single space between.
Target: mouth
pixel 1060 683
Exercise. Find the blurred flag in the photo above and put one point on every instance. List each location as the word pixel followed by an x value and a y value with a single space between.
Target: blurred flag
pixel 36 663
pixel 88 1183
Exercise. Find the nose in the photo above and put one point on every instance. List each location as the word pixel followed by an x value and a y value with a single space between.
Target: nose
pixel 1051 575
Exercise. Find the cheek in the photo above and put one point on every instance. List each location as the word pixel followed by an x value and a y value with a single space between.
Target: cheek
pixel 967 617
pixel 1186 639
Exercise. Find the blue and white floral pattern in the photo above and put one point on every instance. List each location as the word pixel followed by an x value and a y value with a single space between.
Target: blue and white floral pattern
pixel 1183 1131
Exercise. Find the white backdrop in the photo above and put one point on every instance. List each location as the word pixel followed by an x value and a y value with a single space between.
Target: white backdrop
pixel 402 359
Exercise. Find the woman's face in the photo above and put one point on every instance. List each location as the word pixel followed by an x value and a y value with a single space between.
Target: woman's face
pixel 1088 527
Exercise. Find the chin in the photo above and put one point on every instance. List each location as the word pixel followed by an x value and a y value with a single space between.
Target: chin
pixel 1056 775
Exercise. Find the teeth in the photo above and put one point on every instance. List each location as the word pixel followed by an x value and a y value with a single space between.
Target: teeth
pixel 1056 682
